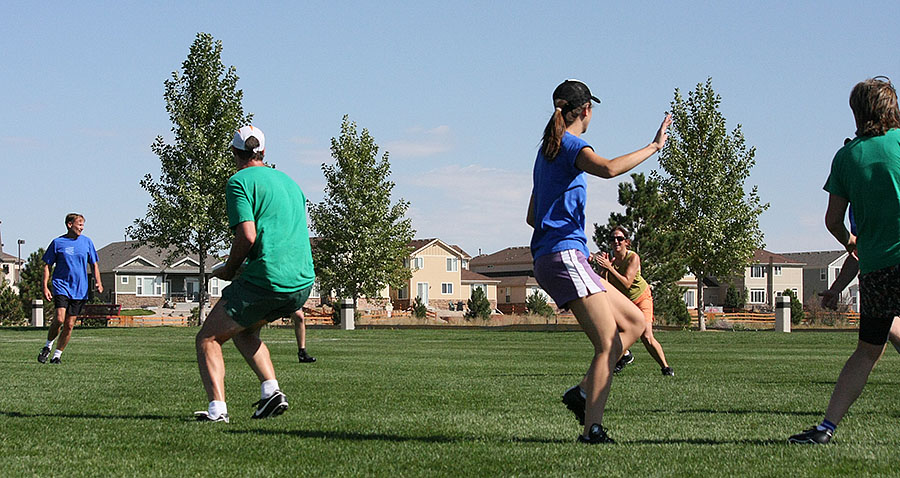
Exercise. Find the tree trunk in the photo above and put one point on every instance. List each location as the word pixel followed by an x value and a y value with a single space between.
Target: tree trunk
pixel 701 317
pixel 203 286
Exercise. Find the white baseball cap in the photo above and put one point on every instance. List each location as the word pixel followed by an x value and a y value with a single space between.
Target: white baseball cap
pixel 244 134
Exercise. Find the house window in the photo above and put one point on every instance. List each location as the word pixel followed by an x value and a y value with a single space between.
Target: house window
pixel 689 299
pixel 418 263
pixel 214 287
pixel 757 271
pixel 479 286
pixel 124 280
pixel 452 264
pixel 507 295
pixel 149 286
pixel 823 274
pixel 757 296
pixel 403 293
pixel 796 293
pixel 446 288
pixel 465 264
pixel 6 268
pixel 777 270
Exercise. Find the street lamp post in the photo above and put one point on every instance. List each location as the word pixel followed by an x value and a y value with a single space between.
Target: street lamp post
pixel 19 261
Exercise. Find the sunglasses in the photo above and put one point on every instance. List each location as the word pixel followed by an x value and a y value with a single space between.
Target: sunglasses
pixel 616 238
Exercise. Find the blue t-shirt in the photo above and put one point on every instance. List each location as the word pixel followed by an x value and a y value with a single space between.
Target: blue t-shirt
pixel 71 257
pixel 559 197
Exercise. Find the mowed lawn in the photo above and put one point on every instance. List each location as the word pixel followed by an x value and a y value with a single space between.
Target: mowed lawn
pixel 439 403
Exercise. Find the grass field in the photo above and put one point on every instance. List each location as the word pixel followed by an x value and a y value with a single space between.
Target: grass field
pixel 438 403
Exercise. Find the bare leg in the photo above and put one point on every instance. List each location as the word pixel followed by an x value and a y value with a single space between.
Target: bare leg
pixel 66 333
pixel 629 322
pixel 595 317
pixel 653 346
pixel 255 352
pixel 217 329
pixel 300 329
pixel 894 335
pixel 852 380
pixel 56 323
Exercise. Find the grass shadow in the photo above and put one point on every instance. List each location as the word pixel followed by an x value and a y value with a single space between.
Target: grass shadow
pixel 356 436
pixel 89 416
pixel 738 412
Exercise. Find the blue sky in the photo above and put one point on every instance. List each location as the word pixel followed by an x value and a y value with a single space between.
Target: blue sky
pixel 457 92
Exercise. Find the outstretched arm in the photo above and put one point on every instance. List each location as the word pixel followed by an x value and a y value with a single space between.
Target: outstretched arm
pixel 592 163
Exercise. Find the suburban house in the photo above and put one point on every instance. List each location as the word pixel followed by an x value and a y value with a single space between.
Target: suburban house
pixel 440 277
pixel 766 278
pixel 513 267
pixel 135 275
pixel 820 271
pixel 10 267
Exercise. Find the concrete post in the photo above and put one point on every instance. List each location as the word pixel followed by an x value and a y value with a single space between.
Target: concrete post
pixel 37 313
pixel 348 314
pixel 783 314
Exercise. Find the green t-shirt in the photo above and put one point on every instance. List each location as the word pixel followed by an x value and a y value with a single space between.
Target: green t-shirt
pixel 280 259
pixel 866 171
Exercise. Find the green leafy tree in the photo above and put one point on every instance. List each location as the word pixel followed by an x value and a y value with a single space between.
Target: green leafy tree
pixel 668 304
pixel 796 307
pixel 31 285
pixel 10 306
pixel 705 170
pixel 648 217
pixel 733 298
pixel 363 238
pixel 187 208
pixel 418 309
pixel 479 305
pixel 537 304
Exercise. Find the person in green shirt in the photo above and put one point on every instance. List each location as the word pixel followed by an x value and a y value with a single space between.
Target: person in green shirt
pixel 866 173
pixel 267 212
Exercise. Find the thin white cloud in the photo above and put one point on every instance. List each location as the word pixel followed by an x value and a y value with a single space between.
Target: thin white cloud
pixel 428 142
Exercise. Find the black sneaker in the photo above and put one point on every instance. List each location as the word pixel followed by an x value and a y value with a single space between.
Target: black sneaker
pixel 203 416
pixel 626 359
pixel 668 372
pixel 597 434
pixel 42 357
pixel 575 402
pixel 273 406
pixel 305 357
pixel 813 436
pixel 54 360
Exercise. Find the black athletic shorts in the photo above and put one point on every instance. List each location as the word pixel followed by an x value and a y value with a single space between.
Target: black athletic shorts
pixel 879 297
pixel 72 306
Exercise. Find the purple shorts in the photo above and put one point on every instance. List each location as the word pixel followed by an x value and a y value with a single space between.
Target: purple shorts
pixel 566 276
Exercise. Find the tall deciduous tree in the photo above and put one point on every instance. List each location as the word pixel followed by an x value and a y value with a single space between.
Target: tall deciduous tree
pixel 363 238
pixel 705 171
pixel 187 208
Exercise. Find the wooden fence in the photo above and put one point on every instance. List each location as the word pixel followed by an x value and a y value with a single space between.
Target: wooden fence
pixel 751 318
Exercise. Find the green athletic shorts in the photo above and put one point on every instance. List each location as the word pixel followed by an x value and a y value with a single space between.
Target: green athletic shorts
pixel 247 304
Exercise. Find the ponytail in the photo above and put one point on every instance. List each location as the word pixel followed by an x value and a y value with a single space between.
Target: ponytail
pixel 553 134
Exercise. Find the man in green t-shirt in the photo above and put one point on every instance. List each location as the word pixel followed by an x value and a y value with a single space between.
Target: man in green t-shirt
pixel 267 212
pixel 866 173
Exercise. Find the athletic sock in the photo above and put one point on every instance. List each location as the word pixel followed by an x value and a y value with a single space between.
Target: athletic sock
pixel 217 408
pixel 268 388
pixel 57 353
pixel 826 425
pixel 49 344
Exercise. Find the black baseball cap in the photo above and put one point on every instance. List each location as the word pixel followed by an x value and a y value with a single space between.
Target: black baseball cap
pixel 575 93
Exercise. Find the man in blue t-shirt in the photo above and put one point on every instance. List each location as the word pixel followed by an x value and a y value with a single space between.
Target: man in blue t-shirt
pixel 70 253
